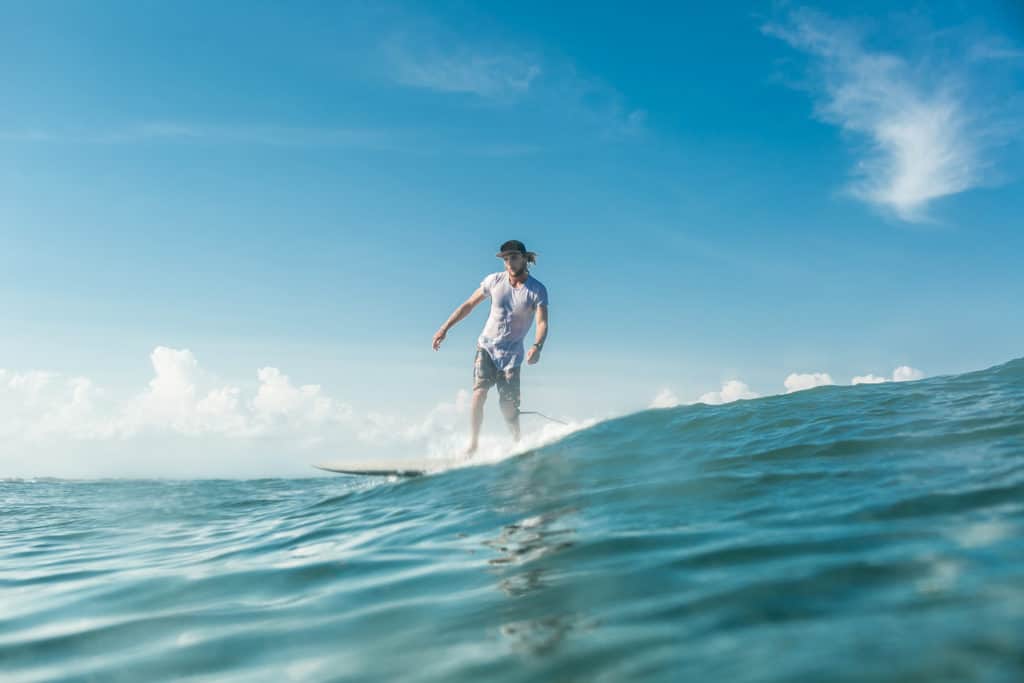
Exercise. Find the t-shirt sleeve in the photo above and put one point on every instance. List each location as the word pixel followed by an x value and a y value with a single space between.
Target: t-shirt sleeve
pixel 485 285
pixel 542 296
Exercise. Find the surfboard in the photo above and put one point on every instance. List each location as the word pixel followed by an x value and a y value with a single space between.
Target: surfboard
pixel 385 468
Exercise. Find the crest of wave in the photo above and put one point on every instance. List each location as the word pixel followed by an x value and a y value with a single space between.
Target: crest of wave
pixel 441 436
pixel 495 447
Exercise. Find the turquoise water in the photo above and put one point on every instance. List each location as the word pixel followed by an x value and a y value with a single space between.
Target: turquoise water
pixel 868 533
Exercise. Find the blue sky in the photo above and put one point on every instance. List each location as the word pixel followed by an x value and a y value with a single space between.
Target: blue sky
pixel 720 198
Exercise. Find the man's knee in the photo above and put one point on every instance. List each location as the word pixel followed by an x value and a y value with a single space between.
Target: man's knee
pixel 480 394
pixel 509 408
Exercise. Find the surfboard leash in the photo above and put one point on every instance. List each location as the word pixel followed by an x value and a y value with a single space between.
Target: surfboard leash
pixel 534 412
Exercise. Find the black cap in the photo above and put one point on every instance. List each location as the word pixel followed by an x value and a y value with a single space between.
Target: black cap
pixel 513 246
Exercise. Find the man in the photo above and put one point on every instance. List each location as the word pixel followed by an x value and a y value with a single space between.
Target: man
pixel 517 299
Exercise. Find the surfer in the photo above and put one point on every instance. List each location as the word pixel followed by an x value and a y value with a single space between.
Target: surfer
pixel 517 299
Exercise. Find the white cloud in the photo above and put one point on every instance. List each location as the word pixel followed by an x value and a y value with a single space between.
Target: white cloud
pixel 278 399
pixel 733 390
pixel 171 396
pixel 868 379
pixel 186 422
pixel 924 131
pixel 446 417
pixel 34 404
pixel 181 398
pixel 903 373
pixel 799 382
pixel 665 398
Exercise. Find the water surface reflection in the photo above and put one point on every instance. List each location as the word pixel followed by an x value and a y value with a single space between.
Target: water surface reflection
pixel 529 564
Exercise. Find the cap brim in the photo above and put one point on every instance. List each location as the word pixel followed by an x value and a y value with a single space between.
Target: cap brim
pixel 501 254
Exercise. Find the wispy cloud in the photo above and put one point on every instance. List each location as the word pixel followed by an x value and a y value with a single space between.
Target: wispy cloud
pixel 925 133
pixel 28 135
pixel 284 136
pixel 459 68
pixel 403 141
pixel 995 48
pixel 177 131
pixel 429 56
pixel 596 101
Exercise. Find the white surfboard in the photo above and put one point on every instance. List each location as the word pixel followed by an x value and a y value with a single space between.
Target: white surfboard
pixel 386 468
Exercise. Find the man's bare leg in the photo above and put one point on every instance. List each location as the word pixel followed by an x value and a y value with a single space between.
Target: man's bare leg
pixel 476 419
pixel 511 414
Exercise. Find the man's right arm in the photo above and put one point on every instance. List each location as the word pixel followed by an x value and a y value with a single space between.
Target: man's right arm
pixel 458 314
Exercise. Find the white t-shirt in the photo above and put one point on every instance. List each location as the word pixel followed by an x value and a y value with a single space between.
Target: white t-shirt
pixel 512 313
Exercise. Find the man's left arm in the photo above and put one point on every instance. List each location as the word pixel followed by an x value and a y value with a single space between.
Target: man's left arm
pixel 541 319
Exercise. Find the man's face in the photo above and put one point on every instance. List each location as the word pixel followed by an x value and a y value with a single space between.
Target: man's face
pixel 514 263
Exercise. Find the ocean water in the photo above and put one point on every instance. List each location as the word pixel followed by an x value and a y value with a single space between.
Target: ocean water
pixel 868 533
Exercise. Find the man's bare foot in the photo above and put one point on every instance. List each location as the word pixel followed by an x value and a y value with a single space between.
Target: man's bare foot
pixel 470 450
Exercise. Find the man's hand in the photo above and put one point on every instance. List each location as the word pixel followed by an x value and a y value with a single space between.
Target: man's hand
pixel 439 337
pixel 532 356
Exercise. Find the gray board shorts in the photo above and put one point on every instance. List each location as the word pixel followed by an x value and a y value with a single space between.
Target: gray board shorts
pixel 486 375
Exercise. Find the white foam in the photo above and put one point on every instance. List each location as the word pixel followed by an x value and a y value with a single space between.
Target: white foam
pixel 446 449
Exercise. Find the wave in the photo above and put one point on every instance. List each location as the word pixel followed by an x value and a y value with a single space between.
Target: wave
pixel 864 533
